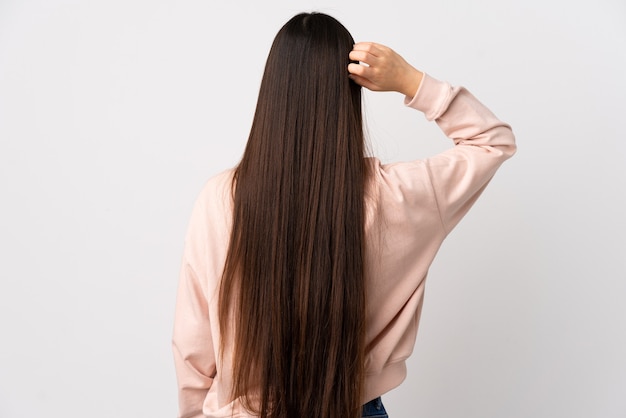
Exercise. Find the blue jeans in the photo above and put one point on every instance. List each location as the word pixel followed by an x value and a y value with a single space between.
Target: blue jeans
pixel 374 409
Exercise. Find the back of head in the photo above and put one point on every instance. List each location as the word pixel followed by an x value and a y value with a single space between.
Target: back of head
pixel 305 85
pixel 292 294
pixel 307 67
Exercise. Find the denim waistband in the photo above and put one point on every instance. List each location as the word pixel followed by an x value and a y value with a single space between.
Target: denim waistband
pixel 374 409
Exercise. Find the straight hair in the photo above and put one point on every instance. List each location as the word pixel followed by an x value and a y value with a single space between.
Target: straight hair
pixel 292 295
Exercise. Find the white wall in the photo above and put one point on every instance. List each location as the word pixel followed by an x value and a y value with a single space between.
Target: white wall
pixel 114 113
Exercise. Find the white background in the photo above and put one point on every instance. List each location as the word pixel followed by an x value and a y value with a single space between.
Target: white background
pixel 114 113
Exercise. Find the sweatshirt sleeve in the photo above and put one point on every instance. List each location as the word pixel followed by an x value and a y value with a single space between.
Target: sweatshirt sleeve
pixel 482 143
pixel 194 355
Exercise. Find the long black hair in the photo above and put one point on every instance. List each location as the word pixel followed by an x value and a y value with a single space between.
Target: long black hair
pixel 292 297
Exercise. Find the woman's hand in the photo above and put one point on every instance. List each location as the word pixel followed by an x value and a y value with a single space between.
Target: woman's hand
pixel 385 69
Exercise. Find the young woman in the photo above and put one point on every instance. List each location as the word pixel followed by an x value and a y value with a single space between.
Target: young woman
pixel 304 266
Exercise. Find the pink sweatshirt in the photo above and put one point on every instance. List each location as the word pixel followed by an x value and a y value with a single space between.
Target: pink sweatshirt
pixel 411 207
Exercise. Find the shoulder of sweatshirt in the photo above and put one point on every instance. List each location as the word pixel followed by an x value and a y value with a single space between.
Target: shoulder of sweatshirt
pixel 211 218
pixel 215 195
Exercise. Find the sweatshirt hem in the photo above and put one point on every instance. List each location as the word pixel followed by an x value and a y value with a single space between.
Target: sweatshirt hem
pixel 390 377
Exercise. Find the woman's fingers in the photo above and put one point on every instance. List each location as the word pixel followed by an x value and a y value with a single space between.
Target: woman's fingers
pixel 358 69
pixel 362 81
pixel 367 52
pixel 376 64
pixel 365 76
pixel 370 47
pixel 363 56
pixel 382 69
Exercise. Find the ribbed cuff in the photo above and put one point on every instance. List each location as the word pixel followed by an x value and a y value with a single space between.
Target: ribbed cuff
pixel 430 97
